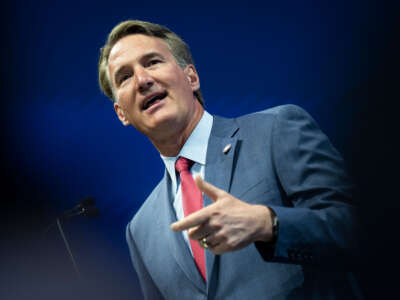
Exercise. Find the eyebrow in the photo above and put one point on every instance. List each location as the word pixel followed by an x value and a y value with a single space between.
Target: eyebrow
pixel 147 56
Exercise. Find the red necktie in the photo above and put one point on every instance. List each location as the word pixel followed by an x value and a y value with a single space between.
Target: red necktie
pixel 192 201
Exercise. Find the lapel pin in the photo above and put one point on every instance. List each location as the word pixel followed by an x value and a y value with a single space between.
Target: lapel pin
pixel 227 148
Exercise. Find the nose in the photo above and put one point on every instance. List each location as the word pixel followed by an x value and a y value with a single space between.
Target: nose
pixel 143 79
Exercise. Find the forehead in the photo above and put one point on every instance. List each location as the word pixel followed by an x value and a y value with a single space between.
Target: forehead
pixel 134 46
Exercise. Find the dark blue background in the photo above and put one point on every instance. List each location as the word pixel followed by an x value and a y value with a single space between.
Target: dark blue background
pixel 61 140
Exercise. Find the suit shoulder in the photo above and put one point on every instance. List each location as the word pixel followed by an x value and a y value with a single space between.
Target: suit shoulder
pixel 285 111
pixel 270 115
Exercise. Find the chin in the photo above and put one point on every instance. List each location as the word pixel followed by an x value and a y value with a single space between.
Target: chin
pixel 162 120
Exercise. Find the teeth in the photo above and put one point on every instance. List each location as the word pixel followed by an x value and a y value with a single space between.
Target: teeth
pixel 152 99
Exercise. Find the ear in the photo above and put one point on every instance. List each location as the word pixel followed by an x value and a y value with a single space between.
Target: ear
pixel 121 114
pixel 193 77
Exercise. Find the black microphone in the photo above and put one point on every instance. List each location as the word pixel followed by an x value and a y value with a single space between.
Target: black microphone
pixel 85 208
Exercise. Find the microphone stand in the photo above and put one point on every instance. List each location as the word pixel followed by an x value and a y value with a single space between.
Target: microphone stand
pixel 85 208
pixel 78 274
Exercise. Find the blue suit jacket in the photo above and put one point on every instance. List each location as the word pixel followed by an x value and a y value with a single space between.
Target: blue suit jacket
pixel 281 159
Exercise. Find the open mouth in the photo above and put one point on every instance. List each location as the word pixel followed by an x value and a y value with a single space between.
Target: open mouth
pixel 153 100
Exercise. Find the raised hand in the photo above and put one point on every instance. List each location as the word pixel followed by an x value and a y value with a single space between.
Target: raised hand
pixel 228 224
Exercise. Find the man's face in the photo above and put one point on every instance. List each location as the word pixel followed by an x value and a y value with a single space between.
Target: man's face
pixel 152 92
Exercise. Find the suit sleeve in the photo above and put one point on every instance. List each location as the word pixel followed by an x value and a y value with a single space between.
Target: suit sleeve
pixel 149 289
pixel 318 224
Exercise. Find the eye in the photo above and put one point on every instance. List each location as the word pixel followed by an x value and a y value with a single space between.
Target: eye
pixel 153 61
pixel 123 77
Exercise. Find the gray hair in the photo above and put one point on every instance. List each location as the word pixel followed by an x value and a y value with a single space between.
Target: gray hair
pixel 179 49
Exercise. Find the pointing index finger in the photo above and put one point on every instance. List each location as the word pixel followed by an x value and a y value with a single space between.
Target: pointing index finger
pixel 192 220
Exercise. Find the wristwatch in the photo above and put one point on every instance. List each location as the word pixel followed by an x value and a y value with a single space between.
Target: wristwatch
pixel 275 227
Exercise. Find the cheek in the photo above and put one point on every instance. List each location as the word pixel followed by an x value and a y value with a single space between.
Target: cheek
pixel 175 78
pixel 125 99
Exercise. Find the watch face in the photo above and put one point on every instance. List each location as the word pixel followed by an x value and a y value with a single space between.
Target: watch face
pixel 275 227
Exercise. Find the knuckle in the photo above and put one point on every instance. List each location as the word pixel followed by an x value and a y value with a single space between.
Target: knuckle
pixel 223 237
pixel 232 243
pixel 222 194
pixel 215 224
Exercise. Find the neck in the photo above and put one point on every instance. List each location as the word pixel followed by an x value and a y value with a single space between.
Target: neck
pixel 170 145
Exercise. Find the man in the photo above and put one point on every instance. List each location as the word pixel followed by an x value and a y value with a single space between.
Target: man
pixel 269 215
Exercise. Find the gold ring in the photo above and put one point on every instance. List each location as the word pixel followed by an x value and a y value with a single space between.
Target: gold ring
pixel 203 243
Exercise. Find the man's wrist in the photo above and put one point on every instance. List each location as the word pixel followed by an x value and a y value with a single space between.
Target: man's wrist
pixel 269 232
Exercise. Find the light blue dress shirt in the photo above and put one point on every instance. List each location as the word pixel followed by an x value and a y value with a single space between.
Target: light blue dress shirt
pixel 194 149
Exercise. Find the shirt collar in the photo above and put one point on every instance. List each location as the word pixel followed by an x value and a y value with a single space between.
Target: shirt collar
pixel 195 147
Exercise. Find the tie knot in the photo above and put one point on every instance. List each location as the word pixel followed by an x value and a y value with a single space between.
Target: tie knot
pixel 183 164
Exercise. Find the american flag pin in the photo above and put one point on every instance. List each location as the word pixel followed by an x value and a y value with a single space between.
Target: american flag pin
pixel 227 148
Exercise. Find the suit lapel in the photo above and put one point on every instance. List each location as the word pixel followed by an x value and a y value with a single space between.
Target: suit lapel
pixel 176 242
pixel 219 168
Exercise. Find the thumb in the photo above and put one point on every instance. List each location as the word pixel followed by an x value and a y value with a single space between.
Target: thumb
pixel 207 188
